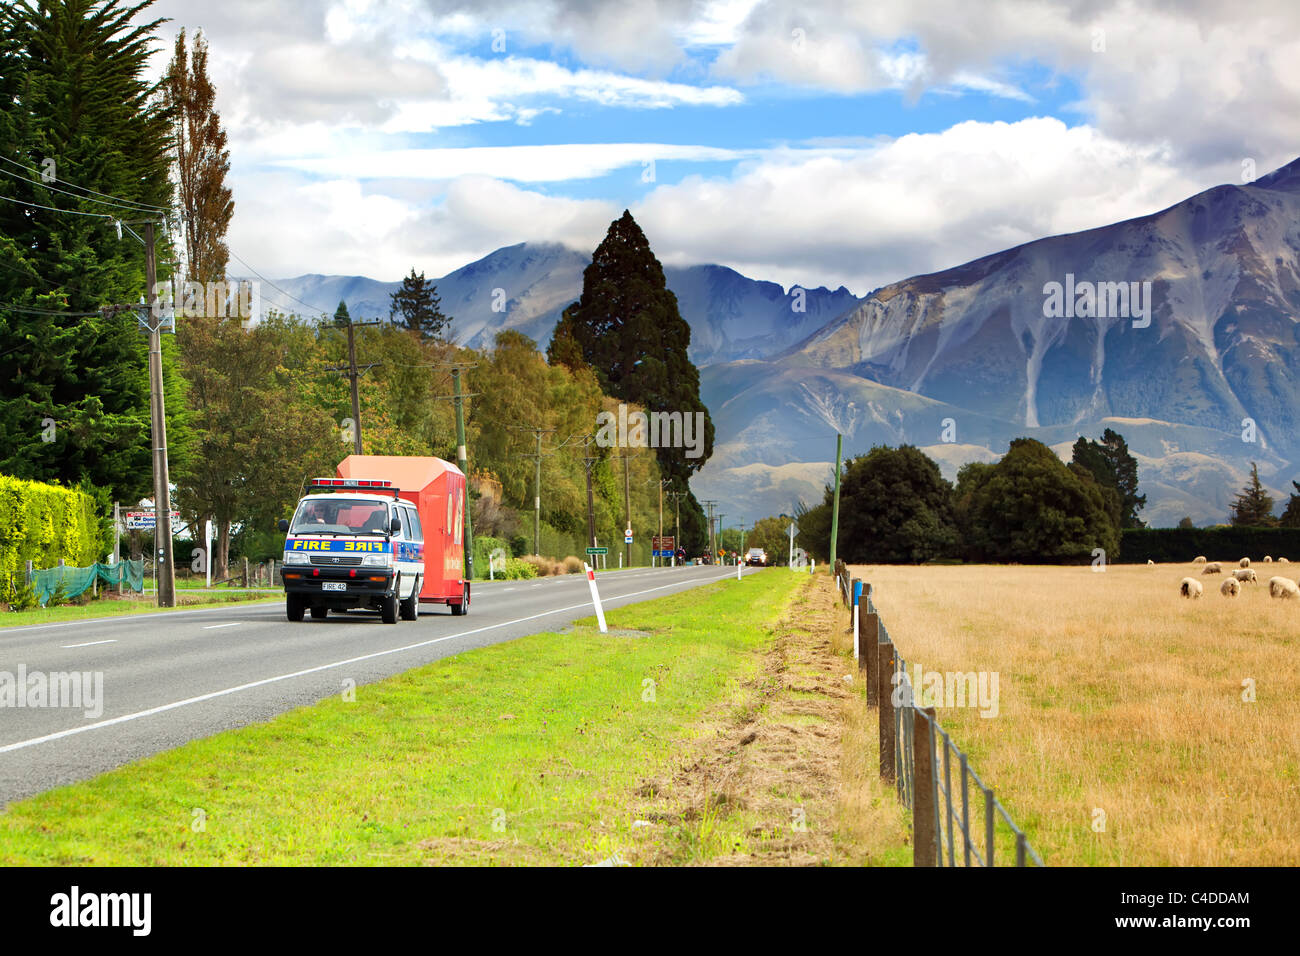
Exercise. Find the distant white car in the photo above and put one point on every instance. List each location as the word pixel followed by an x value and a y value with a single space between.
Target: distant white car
pixel 756 557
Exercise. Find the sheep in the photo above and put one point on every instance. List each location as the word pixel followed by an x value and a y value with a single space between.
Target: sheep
pixel 1268 559
pixel 1244 563
pixel 1282 588
pixel 1230 587
pixel 1245 574
pixel 1150 563
pixel 1213 569
pixel 1199 559
pixel 1191 588
pixel 1283 561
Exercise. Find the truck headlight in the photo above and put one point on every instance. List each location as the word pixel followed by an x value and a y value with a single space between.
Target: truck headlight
pixel 297 557
pixel 376 560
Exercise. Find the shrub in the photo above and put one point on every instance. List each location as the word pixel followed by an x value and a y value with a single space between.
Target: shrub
pixel 43 523
pixel 572 565
pixel 542 566
pixel 518 570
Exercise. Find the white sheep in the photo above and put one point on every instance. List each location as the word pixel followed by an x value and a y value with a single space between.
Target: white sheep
pixel 1191 588
pixel 1213 569
pixel 1199 559
pixel 1150 562
pixel 1244 562
pixel 1230 587
pixel 1282 588
pixel 1283 561
pixel 1268 559
pixel 1245 574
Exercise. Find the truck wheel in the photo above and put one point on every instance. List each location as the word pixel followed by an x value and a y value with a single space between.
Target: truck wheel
pixel 410 607
pixel 319 613
pixel 294 605
pixel 388 609
pixel 463 606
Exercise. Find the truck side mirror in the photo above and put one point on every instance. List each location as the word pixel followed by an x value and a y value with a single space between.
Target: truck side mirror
pixel 395 526
pixel 284 524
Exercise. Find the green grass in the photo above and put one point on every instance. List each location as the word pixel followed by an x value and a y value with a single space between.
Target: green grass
pixel 114 607
pixel 546 737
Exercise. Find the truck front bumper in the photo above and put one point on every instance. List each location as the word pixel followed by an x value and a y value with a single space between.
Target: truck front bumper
pixel 359 585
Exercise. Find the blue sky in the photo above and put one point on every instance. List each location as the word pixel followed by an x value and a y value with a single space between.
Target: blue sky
pixel 812 143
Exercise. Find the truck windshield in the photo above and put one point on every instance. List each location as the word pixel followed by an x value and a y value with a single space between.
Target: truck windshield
pixel 340 516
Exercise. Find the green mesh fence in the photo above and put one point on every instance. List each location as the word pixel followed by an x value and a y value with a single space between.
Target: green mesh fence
pixel 76 581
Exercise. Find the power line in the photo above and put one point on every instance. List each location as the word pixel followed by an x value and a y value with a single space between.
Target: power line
pixel 272 284
pixel 117 199
pixel 104 202
pixel 74 212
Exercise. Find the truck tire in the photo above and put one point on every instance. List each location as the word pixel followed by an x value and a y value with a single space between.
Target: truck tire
pixel 409 610
pixel 463 607
pixel 294 605
pixel 388 608
pixel 319 613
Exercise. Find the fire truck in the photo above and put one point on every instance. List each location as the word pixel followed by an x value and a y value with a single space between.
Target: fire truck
pixel 385 534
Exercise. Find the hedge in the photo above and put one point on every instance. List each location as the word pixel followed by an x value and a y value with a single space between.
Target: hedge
pixel 43 523
pixel 1178 545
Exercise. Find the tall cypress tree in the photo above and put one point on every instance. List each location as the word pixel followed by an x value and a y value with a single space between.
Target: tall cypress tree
pixel 1254 506
pixel 628 329
pixel 1113 467
pixel 78 115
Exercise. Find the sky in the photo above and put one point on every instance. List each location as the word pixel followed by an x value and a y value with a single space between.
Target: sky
pixel 811 143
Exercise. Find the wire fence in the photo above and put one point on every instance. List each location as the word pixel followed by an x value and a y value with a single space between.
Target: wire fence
pixel 956 818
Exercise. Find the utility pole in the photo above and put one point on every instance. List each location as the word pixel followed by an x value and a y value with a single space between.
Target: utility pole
pixel 662 482
pixel 591 512
pixel 712 550
pixel 354 373
pixel 677 497
pixel 720 517
pixel 835 510
pixel 627 512
pixel 462 458
pixel 158 420
pixel 537 481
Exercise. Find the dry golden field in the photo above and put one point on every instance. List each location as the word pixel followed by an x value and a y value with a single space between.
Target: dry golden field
pixel 1118 695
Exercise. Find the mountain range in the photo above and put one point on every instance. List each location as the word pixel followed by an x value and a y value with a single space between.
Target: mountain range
pixel 1177 329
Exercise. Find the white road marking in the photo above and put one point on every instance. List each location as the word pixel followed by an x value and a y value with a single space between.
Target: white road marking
pixel 88 644
pixel 162 708
pixel 208 627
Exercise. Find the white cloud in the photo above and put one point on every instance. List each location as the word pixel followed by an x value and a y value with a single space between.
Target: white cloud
pixel 917 204
pixel 537 164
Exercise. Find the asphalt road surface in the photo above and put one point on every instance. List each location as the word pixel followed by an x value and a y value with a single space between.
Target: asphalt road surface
pixel 176 676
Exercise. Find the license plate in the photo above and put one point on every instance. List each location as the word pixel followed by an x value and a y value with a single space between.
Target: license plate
pixel 333 586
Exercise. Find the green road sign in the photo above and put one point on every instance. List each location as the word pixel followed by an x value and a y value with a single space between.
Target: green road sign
pixel 598 550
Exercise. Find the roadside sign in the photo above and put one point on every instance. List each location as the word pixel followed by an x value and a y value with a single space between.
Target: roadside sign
pixel 598 550
pixel 143 520
pixel 663 542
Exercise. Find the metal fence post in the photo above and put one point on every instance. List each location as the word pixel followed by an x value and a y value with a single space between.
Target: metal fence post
pixel 925 837
pixel 884 675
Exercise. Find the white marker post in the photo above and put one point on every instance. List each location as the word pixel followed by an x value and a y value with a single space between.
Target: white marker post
pixel 595 596
pixel 207 549
pixel 738 566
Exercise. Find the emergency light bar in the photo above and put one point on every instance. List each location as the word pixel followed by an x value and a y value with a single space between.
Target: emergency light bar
pixel 351 483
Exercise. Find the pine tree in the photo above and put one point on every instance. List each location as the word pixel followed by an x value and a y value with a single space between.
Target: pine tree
pixel 628 329
pixel 1253 507
pixel 341 316
pixel 1113 467
pixel 77 113
pixel 1291 516
pixel 421 310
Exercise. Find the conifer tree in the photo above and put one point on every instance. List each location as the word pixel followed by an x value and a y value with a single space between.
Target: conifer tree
pixel 628 329
pixel 418 304
pixel 1254 506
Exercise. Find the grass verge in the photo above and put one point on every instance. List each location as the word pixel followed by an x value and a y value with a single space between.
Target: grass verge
pixel 524 752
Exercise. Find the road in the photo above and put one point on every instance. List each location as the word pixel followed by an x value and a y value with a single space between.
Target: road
pixel 175 676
